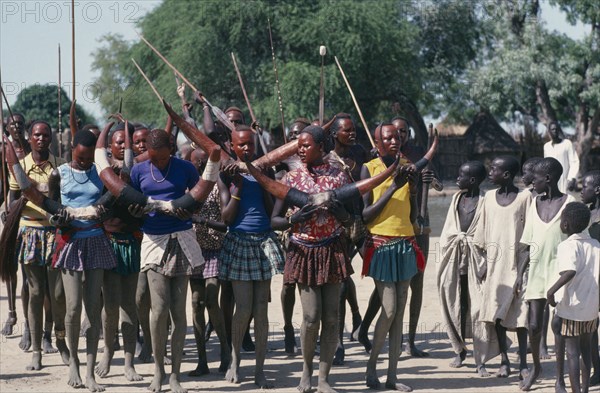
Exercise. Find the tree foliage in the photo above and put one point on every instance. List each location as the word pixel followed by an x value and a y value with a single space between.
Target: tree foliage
pixel 388 49
pixel 40 102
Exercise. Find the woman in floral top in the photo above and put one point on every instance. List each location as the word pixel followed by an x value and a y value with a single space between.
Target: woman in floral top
pixel 317 258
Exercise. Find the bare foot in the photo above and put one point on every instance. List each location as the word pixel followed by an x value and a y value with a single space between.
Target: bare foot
pixel 559 387
pixel 324 387
pixel 524 373
pixel 74 377
pixel 36 361
pixel 175 385
pixel 25 342
pixel 397 386
pixel 232 374
pixel 528 382
pixel 503 371
pixel 483 372
pixel 305 386
pixel 415 352
pixel 11 321
pixel 64 351
pixel 201 369
pixel 458 360
pixel 103 367
pixel 92 385
pixel 145 355
pixel 157 381
pixel 261 381
pixel 544 353
pixel 132 375
pixel 373 381
pixel 47 343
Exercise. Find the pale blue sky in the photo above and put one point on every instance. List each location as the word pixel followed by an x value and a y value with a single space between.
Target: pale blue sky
pixel 30 32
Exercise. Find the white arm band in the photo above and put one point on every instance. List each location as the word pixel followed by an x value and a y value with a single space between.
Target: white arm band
pixel 211 172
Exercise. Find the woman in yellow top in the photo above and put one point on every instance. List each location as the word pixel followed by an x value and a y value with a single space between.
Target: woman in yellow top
pixel 390 250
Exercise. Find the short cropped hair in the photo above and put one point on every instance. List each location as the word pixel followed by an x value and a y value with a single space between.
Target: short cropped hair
pixel 577 215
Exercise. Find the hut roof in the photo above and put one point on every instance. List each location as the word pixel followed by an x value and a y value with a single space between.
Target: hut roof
pixel 489 137
pixel 447 129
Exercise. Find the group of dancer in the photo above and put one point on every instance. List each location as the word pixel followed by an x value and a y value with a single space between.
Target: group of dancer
pixel 224 215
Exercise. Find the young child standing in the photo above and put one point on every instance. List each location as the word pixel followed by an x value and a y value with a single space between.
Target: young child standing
pixel 461 267
pixel 578 260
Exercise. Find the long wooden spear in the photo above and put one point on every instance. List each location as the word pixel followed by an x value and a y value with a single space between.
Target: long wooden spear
pixel 239 75
pixel 222 117
pixel 279 100
pixel 73 45
pixel 4 147
pixel 17 136
pixel 362 118
pixel 322 53
pixel 59 129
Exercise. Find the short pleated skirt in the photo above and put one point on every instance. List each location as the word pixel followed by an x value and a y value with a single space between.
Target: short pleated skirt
pixel 390 259
pixel 127 248
pixel 250 256
pixel 317 263
pixel 88 253
pixel 211 264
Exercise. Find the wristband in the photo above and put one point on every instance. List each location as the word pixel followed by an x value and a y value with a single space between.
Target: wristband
pixel 237 198
pixel 211 172
pixel 290 220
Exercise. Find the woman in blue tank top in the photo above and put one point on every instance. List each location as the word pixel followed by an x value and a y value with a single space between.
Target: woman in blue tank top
pixel 250 256
pixel 82 252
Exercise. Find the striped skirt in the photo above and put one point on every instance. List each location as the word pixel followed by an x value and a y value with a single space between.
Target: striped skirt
pixel 577 328
pixel 250 256
pixel 314 264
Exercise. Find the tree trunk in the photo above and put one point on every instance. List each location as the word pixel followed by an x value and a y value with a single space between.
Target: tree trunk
pixel 547 115
pixel 585 131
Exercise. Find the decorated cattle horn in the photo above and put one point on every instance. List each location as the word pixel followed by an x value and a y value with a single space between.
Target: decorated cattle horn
pixel 299 198
pixel 422 163
pixel 129 195
pixel 30 191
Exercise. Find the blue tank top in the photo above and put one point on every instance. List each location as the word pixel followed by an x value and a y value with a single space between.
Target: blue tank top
pixel 252 215
pixel 80 189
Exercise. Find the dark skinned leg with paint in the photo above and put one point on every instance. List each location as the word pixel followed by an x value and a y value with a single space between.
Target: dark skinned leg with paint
pixel 198 295
pixel 311 299
pixel 129 324
pixel 260 302
pixel 416 301
pixel 48 320
pixel 288 300
pixel 25 342
pixel 36 276
pixel 340 353
pixel 244 293
pixel 177 308
pixel 92 301
pixel 142 301
pixel 579 367
pixel 464 309
pixel 57 297
pixel 585 341
pixel 372 310
pixel 351 298
pixel 559 349
pixel 395 341
pixel 73 286
pixel 216 315
pixel 227 303
pixel 11 321
pixel 536 318
pixel 111 290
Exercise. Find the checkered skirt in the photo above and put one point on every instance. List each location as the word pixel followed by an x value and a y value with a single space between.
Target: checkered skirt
pixel 174 263
pixel 88 253
pixel 250 256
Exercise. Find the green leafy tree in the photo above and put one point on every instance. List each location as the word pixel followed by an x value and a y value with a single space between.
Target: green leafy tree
pixel 384 48
pixel 40 102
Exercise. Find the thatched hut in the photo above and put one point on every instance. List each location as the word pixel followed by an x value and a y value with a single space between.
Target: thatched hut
pixel 483 140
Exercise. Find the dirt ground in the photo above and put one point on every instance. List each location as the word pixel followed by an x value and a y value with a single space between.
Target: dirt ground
pixel 430 374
